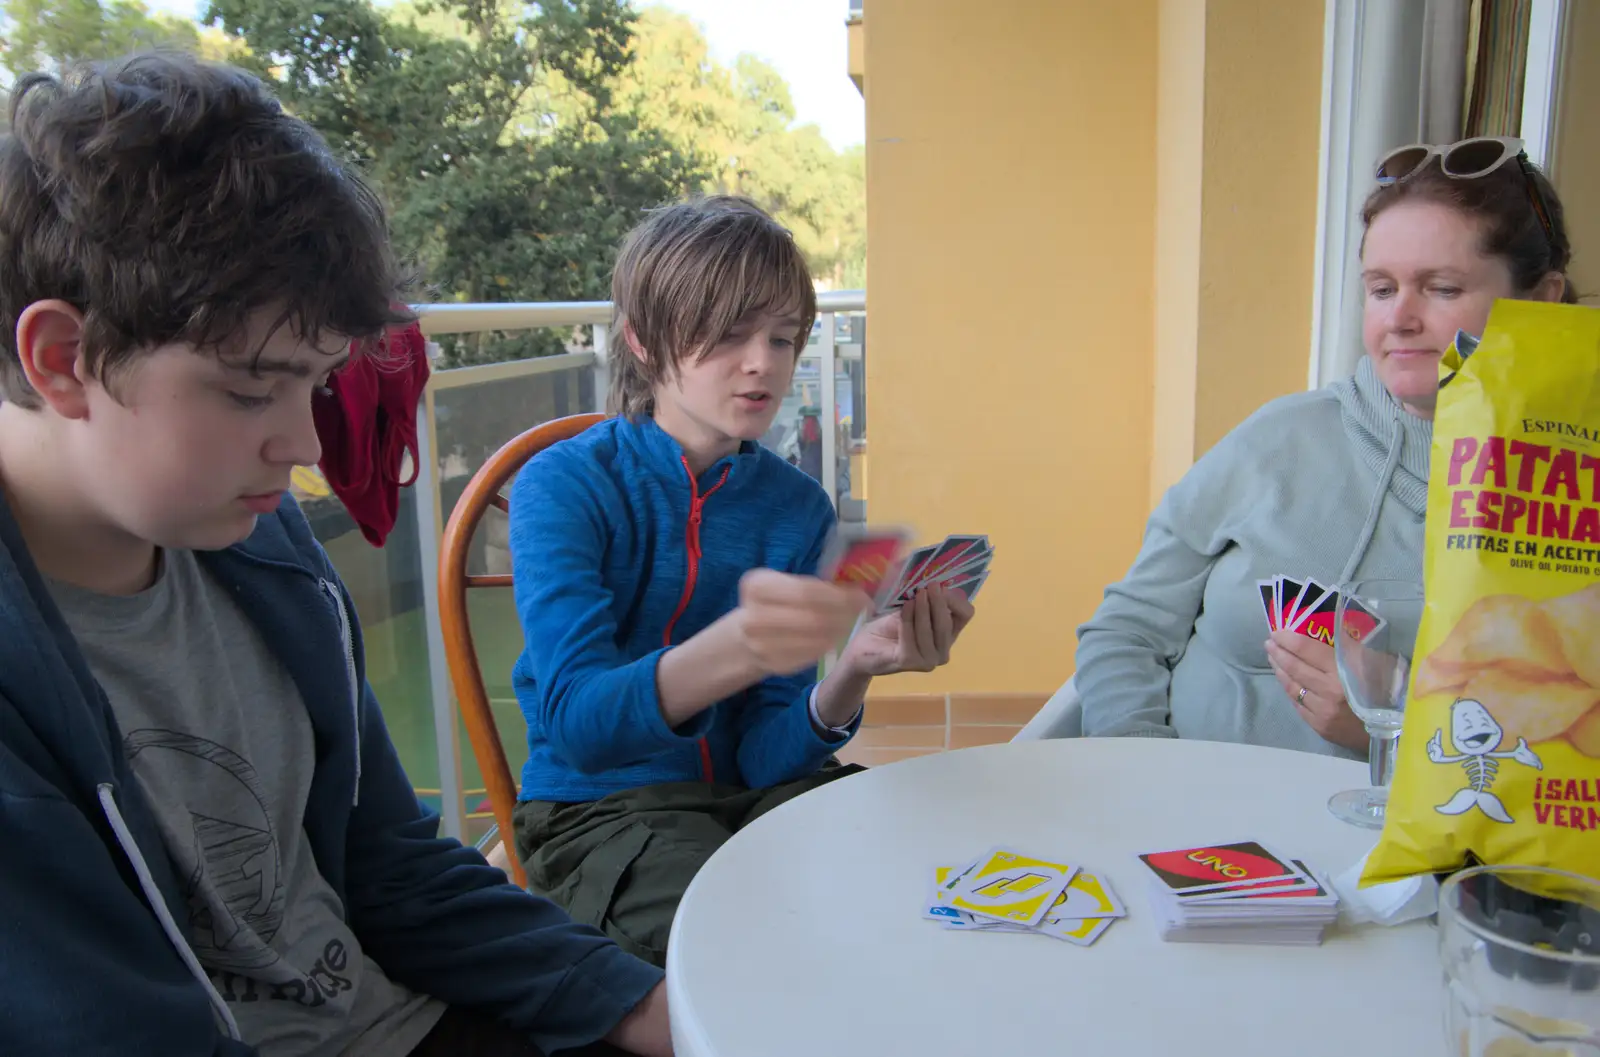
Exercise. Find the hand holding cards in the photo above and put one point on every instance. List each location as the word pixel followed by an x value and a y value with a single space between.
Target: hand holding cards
pixel 875 560
pixel 1242 892
pixel 903 637
pixel 1308 608
pixel 960 563
pixel 1006 891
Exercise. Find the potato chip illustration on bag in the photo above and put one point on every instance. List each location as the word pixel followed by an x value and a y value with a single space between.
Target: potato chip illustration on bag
pixel 1499 755
pixel 1507 632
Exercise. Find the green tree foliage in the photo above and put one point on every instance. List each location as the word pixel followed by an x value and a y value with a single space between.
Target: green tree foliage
pixel 43 34
pixel 496 206
pixel 515 141
pixel 51 34
pixel 738 124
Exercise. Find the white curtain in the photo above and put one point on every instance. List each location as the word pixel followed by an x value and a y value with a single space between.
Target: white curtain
pixel 1385 97
pixel 1445 34
pixel 1404 68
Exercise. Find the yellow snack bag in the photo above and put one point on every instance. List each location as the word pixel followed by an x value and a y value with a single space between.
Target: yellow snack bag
pixel 1499 755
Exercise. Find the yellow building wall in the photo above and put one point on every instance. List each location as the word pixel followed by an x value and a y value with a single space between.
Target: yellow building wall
pixel 1092 231
pixel 1010 189
pixel 855 53
pixel 1237 141
pixel 1577 144
pixel 1180 159
pixel 1258 217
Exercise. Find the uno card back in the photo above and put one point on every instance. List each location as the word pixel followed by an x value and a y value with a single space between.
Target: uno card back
pixel 866 558
pixel 1210 867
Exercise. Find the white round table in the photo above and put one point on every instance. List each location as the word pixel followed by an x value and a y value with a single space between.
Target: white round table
pixel 804 934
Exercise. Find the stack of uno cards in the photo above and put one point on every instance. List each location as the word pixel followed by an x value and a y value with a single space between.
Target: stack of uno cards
pixel 1006 891
pixel 1308 608
pixel 960 563
pixel 1244 892
pixel 875 560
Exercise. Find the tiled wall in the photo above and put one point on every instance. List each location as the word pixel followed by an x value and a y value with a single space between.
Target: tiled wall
pixel 917 724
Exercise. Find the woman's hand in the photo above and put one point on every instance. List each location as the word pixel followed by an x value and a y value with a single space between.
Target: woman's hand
pixel 1305 669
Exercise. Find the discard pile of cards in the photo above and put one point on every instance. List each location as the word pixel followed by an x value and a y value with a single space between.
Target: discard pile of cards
pixel 1243 892
pixel 876 560
pixel 1308 608
pixel 1006 891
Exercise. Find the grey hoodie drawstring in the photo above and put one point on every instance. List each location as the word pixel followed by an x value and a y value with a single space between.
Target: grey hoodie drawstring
pixel 1397 442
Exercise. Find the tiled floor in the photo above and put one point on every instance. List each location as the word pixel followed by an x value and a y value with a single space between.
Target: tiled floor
pixel 896 728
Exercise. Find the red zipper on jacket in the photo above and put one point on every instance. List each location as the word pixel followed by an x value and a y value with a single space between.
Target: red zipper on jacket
pixel 697 504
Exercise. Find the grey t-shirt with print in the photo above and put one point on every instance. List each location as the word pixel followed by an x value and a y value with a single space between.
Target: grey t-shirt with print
pixel 221 744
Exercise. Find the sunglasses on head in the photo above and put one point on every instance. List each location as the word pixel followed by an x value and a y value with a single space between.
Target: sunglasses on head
pixel 1466 160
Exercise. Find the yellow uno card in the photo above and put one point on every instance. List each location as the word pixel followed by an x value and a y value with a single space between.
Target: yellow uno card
pixel 942 876
pixel 1081 931
pixel 1088 896
pixel 1009 886
pixel 938 908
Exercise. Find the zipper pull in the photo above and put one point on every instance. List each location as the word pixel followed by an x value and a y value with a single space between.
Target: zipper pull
pixel 693 532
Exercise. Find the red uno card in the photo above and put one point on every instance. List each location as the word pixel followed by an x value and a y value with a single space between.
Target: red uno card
pixel 968 584
pixel 1311 889
pixel 1277 887
pixel 915 562
pixel 1310 598
pixel 952 553
pixel 957 563
pixel 1360 622
pixel 1293 593
pixel 1211 867
pixel 867 558
pixel 1269 604
pixel 971 563
pixel 1315 619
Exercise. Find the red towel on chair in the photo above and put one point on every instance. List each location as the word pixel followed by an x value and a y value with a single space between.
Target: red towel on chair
pixel 368 424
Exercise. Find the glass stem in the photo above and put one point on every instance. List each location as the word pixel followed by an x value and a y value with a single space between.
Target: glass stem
pixel 1380 756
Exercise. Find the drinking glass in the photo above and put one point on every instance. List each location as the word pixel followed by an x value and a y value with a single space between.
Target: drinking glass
pixel 1374 631
pixel 1520 948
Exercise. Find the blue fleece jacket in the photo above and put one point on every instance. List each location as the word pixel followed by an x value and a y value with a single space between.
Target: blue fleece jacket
pixel 94 955
pixel 618 553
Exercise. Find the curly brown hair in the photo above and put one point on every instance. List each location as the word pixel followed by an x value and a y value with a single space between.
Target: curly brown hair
pixel 169 200
pixel 686 276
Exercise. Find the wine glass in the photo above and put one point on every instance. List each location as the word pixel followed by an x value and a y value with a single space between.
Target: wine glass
pixel 1374 631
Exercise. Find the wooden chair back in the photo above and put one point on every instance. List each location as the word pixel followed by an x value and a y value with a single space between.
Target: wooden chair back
pixel 485 490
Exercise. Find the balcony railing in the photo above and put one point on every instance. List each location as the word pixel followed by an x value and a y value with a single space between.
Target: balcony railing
pixel 467 413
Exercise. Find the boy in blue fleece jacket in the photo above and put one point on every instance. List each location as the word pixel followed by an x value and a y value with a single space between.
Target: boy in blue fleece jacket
pixel 665 571
pixel 210 846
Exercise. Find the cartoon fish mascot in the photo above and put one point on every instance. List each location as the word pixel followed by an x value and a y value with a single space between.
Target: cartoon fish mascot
pixel 1475 735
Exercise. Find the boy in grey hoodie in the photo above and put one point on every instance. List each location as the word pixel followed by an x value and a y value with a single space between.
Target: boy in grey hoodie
pixel 1328 485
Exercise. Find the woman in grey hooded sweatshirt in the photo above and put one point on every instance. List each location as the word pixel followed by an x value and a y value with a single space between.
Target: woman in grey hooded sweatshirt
pixel 1329 485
